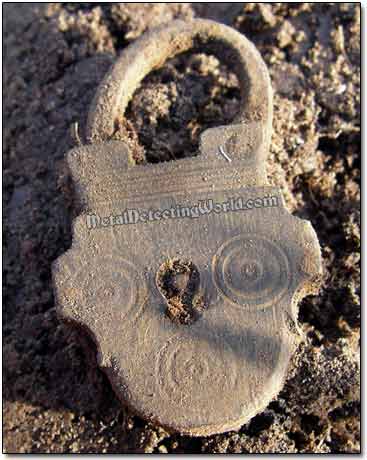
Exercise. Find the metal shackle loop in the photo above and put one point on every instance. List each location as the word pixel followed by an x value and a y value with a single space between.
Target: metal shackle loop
pixel 154 48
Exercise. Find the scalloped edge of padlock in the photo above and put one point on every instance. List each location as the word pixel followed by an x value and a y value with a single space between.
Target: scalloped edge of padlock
pixel 105 359
pixel 312 282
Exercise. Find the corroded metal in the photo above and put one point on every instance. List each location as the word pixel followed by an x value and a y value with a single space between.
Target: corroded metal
pixel 187 274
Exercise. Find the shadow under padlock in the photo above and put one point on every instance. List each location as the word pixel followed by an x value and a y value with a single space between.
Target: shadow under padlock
pixel 187 274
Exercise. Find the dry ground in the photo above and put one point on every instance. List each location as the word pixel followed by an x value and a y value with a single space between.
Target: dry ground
pixel 55 400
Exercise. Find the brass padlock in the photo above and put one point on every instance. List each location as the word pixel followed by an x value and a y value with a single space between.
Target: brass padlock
pixel 187 274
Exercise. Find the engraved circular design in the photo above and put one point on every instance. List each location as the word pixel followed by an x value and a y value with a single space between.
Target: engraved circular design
pixel 251 270
pixel 190 372
pixel 113 283
pixel 231 144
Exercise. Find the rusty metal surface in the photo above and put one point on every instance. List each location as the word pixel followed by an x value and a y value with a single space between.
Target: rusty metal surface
pixel 187 274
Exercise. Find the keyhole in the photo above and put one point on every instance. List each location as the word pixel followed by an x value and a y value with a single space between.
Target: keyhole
pixel 179 282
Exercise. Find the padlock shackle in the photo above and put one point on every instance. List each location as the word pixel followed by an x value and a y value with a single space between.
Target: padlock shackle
pixel 154 48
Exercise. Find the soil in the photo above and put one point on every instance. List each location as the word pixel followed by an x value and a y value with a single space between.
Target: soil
pixel 179 281
pixel 56 400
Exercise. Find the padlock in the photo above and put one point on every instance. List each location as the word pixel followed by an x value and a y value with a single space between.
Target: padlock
pixel 187 274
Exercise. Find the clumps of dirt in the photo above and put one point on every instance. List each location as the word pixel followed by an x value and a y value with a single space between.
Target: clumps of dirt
pixel 297 420
pixel 175 104
pixel 55 55
pixel 179 281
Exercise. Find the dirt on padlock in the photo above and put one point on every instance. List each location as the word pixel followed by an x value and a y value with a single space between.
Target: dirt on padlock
pixel 179 281
pixel 56 400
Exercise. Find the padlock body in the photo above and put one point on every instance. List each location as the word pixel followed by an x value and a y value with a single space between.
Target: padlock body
pixel 216 373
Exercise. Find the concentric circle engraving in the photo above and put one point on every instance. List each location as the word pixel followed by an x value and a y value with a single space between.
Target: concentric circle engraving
pixel 251 270
pixel 114 285
pixel 231 144
pixel 119 286
pixel 192 372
